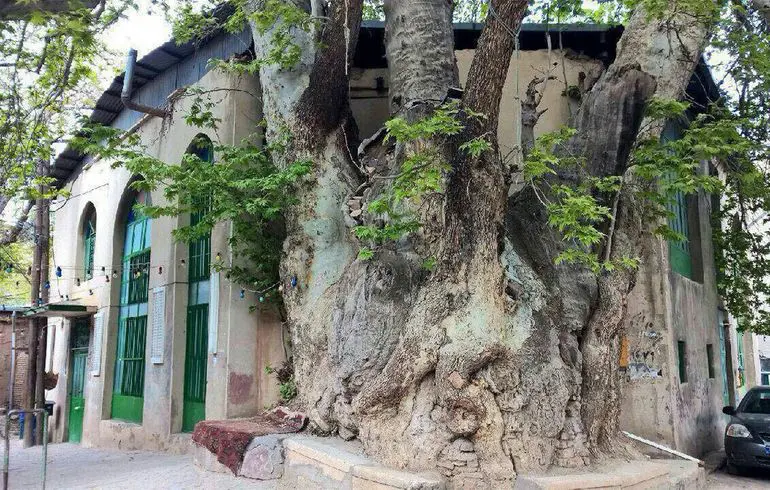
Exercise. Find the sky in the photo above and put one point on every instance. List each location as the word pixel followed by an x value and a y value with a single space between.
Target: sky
pixel 139 30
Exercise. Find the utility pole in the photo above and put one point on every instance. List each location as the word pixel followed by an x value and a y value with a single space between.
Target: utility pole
pixel 32 340
pixel 33 392
pixel 42 329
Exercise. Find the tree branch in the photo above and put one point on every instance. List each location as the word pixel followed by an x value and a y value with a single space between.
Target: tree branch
pixel 13 233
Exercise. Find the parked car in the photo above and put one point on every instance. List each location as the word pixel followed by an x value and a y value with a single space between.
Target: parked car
pixel 747 435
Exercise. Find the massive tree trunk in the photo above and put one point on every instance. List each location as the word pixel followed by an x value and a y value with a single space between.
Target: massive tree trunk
pixel 497 360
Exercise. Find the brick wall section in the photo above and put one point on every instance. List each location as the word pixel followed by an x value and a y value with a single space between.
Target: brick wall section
pixel 22 327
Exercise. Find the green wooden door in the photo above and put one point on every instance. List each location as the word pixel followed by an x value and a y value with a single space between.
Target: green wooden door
pixel 197 336
pixel 128 383
pixel 78 359
pixel 196 351
pixel 196 357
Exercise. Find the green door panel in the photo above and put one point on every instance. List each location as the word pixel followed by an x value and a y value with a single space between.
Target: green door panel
pixel 78 360
pixel 77 400
pixel 196 343
pixel 128 383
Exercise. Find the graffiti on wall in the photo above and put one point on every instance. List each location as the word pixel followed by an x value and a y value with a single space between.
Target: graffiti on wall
pixel 644 351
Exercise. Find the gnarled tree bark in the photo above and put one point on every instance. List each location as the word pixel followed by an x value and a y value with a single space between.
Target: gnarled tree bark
pixel 497 360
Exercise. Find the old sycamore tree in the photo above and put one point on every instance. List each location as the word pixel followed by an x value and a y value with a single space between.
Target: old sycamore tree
pixel 480 302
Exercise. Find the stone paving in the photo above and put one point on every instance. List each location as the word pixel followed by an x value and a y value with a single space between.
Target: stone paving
pixel 73 466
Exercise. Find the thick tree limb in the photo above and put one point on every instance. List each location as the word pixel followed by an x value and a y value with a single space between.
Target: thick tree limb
pixel 493 56
pixel 12 234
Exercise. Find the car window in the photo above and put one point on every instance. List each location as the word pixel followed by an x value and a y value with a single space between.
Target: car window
pixel 757 402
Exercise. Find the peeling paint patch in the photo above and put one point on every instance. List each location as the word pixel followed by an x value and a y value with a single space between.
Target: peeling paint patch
pixel 642 363
pixel 239 388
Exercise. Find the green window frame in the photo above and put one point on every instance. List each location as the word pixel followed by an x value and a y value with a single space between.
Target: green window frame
pixel 89 242
pixel 128 383
pixel 679 251
pixel 198 275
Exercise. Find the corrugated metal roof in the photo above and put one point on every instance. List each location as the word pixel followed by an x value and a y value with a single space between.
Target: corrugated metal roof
pixel 109 110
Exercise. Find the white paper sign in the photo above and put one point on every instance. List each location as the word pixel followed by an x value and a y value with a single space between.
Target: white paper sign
pixel 158 342
pixel 213 311
pixel 96 355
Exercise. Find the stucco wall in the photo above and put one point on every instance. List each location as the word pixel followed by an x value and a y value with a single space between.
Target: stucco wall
pixel 245 340
pixel 370 107
pixel 664 309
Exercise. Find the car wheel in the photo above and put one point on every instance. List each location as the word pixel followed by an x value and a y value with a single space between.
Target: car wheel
pixel 732 469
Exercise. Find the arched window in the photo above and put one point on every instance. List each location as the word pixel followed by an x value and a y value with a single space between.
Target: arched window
pixel 196 349
pixel 128 385
pixel 89 241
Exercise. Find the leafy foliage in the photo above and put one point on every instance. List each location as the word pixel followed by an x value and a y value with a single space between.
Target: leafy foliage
pixel 287 385
pixel 421 173
pixel 582 211
pixel 244 187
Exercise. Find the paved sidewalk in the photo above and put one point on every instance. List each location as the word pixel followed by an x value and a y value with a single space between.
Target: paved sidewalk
pixel 72 466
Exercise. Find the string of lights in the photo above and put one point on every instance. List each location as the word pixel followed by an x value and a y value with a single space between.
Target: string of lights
pixel 136 269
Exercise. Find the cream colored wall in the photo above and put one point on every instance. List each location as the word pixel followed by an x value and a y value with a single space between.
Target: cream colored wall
pixel 105 187
pixel 371 108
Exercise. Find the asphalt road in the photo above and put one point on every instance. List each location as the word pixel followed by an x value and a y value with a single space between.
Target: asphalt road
pixel 720 479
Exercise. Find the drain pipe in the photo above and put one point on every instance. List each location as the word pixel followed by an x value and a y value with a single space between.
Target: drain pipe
pixel 125 94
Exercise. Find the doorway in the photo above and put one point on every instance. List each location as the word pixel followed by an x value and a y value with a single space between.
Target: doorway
pixel 78 359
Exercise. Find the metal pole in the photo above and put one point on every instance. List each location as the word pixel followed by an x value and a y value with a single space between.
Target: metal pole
pixel 42 346
pixel 28 414
pixel 7 447
pixel 45 444
pixel 13 362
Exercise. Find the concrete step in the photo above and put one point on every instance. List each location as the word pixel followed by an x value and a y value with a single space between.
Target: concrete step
pixel 300 461
pixel 328 463
pixel 635 475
